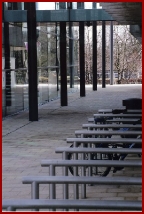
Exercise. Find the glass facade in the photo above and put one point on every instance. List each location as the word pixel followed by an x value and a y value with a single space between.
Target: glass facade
pixel 15 74
pixel 85 51
pixel 14 69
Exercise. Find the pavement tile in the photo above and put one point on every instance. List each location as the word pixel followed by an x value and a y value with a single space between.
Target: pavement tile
pixel 26 143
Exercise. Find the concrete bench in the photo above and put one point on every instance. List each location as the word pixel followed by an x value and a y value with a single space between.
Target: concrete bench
pixel 135 111
pixel 117 120
pixel 66 163
pixel 35 181
pixel 83 133
pixel 89 151
pixel 98 150
pixel 52 164
pixel 14 204
pixel 105 111
pixel 119 115
pixel 77 141
pixel 110 126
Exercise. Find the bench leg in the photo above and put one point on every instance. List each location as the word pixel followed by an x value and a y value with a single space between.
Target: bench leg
pixel 35 192
pixel 52 189
pixel 11 209
pixel 83 186
pixel 65 186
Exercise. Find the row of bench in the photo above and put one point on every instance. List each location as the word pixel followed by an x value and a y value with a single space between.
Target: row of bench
pixel 52 203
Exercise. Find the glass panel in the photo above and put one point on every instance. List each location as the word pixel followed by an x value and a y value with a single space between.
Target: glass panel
pixel 72 57
pixel 15 80
pixel 52 84
pixel 43 85
pixel 47 62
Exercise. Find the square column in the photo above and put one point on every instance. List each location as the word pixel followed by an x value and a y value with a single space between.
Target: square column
pixel 103 54
pixel 63 64
pixel 32 62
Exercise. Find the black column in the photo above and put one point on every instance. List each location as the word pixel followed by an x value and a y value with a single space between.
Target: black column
pixel 111 53
pixel 80 5
pixel 94 55
pixel 57 62
pixel 103 54
pixel 63 64
pixel 82 59
pixel 71 55
pixel 71 70
pixel 26 5
pixel 62 5
pixel 7 62
pixel 15 6
pixel 32 62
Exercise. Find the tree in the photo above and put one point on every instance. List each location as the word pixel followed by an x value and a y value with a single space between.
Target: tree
pixel 88 54
pixel 127 54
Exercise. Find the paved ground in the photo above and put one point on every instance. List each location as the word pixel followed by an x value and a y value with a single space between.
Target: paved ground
pixel 26 143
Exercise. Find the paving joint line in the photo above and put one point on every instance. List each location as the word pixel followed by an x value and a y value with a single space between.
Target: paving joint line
pixel 17 129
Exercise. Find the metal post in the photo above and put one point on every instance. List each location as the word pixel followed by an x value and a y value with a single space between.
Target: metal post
pixel 83 193
pixel 82 59
pixel 76 186
pixel 111 53
pixel 32 62
pixel 90 158
pixel 94 38
pixel 65 173
pixel 63 64
pixel 71 70
pixel 15 5
pixel 10 208
pixel 7 61
pixel 103 54
pixel 62 5
pixel 71 56
pixel 80 5
pixel 65 186
pixel 94 55
pixel 52 188
pixel 57 62
pixel 35 192
pixel 75 171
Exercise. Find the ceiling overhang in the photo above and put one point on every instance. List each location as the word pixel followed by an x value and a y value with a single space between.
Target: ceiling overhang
pixel 126 13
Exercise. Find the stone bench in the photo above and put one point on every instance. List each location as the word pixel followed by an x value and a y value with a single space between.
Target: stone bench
pixel 118 120
pixel 14 204
pixel 98 150
pixel 106 111
pixel 110 126
pixel 35 181
pixel 77 141
pixel 119 115
pixel 65 163
pixel 52 164
pixel 96 133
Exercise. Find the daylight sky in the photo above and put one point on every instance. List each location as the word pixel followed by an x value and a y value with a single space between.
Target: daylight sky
pixel 51 5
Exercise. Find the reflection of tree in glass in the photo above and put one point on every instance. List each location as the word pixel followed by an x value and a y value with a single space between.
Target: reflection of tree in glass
pixel 19 63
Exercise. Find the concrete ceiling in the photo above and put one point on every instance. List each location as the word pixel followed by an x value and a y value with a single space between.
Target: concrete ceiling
pixel 126 13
